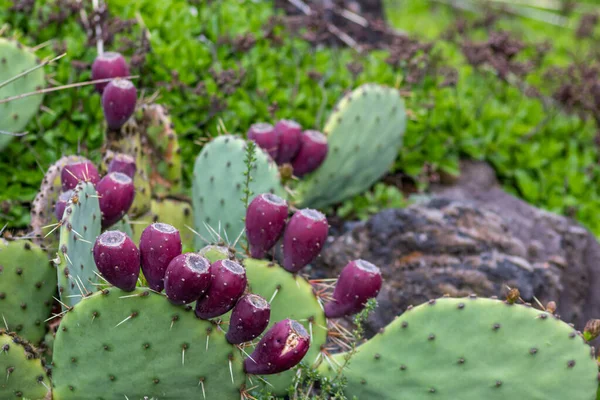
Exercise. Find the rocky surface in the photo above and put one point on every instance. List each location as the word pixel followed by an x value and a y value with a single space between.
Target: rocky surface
pixel 472 237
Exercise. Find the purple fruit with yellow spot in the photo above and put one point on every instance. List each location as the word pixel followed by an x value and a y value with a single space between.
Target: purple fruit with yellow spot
pixel 265 222
pixel 227 286
pixel 359 281
pixel 159 244
pixel 312 153
pixel 77 171
pixel 265 137
pixel 187 278
pixel 116 192
pixel 249 318
pixel 123 163
pixel 281 348
pixel 303 239
pixel 288 136
pixel 118 102
pixel 108 65
pixel 117 259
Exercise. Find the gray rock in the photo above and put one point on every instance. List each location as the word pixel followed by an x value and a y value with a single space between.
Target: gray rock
pixel 474 238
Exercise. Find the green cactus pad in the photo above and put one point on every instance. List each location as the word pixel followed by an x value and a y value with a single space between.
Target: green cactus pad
pixel 42 208
pixel 473 348
pixel 117 345
pixel 364 133
pixel 27 284
pixel 219 183
pixel 15 114
pixel 290 297
pixel 77 270
pixel 23 375
pixel 215 253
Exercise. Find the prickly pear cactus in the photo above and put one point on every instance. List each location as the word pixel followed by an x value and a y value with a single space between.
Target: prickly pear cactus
pixel 473 348
pixel 77 271
pixel 16 114
pixel 27 284
pixel 219 183
pixel 290 297
pixel 23 375
pixel 42 209
pixel 175 212
pixel 364 133
pixel 166 176
pixel 130 141
pixel 117 344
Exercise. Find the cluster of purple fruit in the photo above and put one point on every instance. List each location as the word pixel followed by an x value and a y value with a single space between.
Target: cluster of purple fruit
pixel 286 143
pixel 115 190
pixel 216 288
pixel 119 96
pixel 303 238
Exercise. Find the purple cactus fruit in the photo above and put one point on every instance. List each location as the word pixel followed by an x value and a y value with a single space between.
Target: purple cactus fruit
pixel 288 137
pixel 108 65
pixel 359 281
pixel 312 153
pixel 281 348
pixel 187 278
pixel 73 173
pixel 249 318
pixel 227 286
pixel 303 239
pixel 265 137
pixel 116 193
pixel 117 259
pixel 265 221
pixel 61 204
pixel 118 102
pixel 159 245
pixel 123 163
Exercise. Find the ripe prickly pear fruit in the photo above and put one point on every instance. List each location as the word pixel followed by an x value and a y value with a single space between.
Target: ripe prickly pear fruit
pixel 116 193
pixel 118 102
pixel 77 171
pixel 61 204
pixel 249 318
pixel 280 349
pixel 123 163
pixel 108 65
pixel 187 278
pixel 303 239
pixel 265 137
pixel 227 286
pixel 288 136
pixel 359 281
pixel 265 221
pixel 117 259
pixel 159 245
pixel 312 153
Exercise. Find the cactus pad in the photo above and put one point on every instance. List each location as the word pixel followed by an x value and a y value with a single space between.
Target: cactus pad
pixel 81 226
pixel 27 284
pixel 364 133
pixel 15 114
pixel 23 375
pixel 117 344
pixel 219 183
pixel 473 348
pixel 290 297
pixel 42 209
